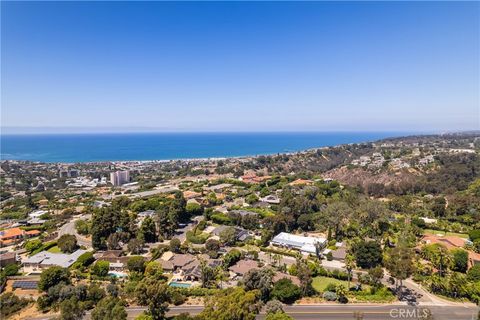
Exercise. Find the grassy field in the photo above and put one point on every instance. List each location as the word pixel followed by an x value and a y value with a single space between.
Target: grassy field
pixel 431 231
pixel 55 249
pixel 320 283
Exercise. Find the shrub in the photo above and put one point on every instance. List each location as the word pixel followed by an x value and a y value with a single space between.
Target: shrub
pixel 460 260
pixel 136 264
pixel 331 287
pixel 220 218
pixel 83 227
pixel 86 259
pixel 67 243
pixel 474 273
pixel 175 245
pixel 11 269
pixel 329 256
pixel 177 298
pixel 285 291
pixel 200 238
pixel 11 304
pixel 52 276
pixel 281 252
pixel 202 225
pixel 330 296
pixel 474 234
pixel 100 268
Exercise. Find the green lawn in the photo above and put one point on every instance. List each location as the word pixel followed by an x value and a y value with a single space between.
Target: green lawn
pixel 55 249
pixel 320 283
pixel 431 231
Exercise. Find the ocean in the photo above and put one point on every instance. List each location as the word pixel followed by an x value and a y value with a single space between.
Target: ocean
pixel 70 148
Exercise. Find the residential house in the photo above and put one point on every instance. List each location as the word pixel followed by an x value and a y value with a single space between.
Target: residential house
pixel 8 258
pixel 241 234
pixel 13 235
pixel 453 242
pixel 243 266
pixel 45 259
pixel 301 243
pixel 271 199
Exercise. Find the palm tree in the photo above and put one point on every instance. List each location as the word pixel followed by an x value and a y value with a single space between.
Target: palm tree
pixel 349 265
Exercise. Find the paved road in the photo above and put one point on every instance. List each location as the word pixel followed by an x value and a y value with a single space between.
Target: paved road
pixel 181 233
pixel 351 311
pixel 69 228
pixel 343 312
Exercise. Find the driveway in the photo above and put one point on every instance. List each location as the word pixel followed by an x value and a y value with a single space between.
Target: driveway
pixel 69 228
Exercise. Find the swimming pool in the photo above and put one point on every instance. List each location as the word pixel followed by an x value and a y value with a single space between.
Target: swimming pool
pixel 117 274
pixel 179 284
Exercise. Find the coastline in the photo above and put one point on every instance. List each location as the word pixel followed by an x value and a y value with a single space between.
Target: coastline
pixel 225 149
pixel 329 141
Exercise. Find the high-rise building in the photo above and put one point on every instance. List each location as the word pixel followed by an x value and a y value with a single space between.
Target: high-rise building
pixel 118 178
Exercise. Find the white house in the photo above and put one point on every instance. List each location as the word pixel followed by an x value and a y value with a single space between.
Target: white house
pixel 301 243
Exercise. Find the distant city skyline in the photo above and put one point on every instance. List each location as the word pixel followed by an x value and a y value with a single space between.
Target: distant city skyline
pixel 230 66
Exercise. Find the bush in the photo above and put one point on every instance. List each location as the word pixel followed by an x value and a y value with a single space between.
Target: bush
pixel 330 296
pixel 175 245
pixel 11 270
pixel 82 227
pixel 329 256
pixel 177 298
pixel 100 268
pixel 86 259
pixel 11 304
pixel 136 264
pixel 196 291
pixel 281 252
pixel 67 243
pixel 285 291
pixel 194 209
pixel 231 258
pixel 474 273
pixel 474 234
pixel 382 294
pixel 200 238
pixel 331 287
pixel 52 276
pixel 460 260
pixel 220 218
pixel 202 225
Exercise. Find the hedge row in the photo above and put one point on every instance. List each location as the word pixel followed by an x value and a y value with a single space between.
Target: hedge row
pixel 196 291
pixel 281 252
pixel 44 247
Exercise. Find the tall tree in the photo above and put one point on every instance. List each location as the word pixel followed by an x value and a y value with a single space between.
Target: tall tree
pixel 155 295
pixel 52 276
pixel 368 254
pixel 349 266
pixel 259 279
pixel 304 274
pixel 109 308
pixel 67 243
pixel 335 215
pixel 71 309
pixel 233 304
pixel 399 262
pixel 148 230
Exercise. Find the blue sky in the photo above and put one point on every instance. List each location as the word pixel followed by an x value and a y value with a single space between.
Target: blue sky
pixel 228 66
